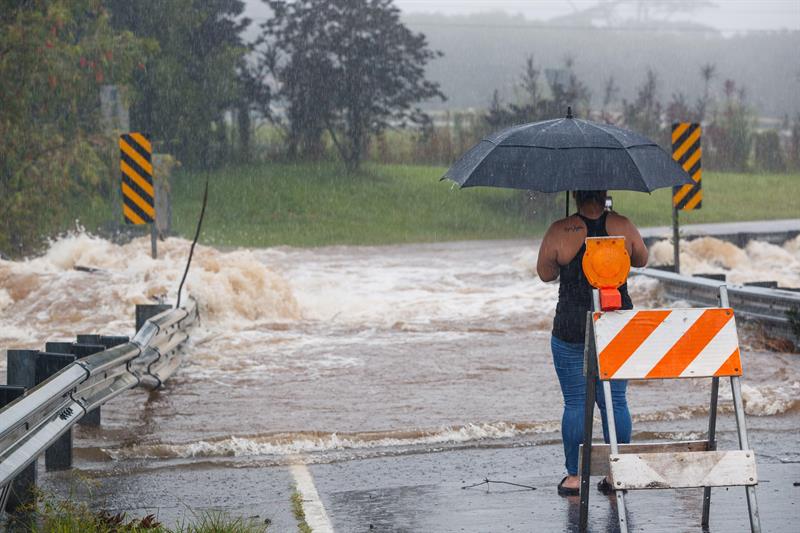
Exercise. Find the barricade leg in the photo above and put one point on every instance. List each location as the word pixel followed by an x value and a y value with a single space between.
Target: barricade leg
pixel 712 419
pixel 612 441
pixel 738 406
pixel 590 366
pixel 712 445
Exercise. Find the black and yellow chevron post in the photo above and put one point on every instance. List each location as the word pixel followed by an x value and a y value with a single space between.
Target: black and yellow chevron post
pixel 686 150
pixel 136 164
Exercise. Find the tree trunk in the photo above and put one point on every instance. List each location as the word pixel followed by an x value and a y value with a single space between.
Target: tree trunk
pixel 245 139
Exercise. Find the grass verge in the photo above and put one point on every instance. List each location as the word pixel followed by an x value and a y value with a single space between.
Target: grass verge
pixel 53 515
pixel 299 513
pixel 312 204
pixel 320 204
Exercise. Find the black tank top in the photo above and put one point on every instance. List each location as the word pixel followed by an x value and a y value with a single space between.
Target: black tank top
pixel 575 293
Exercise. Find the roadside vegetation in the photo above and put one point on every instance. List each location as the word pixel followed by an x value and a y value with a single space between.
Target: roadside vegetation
pixel 64 516
pixel 322 204
pixel 297 153
pixel 299 513
pixel 316 204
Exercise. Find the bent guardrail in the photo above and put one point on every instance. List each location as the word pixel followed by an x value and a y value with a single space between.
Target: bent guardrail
pixel 778 310
pixel 33 422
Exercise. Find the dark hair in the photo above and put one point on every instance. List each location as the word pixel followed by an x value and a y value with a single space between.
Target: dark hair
pixel 584 197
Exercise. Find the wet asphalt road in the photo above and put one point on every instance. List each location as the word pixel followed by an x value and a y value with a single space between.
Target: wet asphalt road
pixel 423 492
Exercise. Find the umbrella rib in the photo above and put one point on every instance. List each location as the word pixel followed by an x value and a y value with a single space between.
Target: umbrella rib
pixel 572 147
pixel 543 130
pixel 636 166
pixel 605 130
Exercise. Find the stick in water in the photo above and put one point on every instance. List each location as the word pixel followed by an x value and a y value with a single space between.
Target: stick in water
pixel 194 242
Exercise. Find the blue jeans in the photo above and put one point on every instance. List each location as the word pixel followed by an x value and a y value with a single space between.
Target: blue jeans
pixel 568 360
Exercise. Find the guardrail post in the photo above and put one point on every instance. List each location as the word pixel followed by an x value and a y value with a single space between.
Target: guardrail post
pixel 59 455
pixel 21 369
pixel 145 311
pixel 80 350
pixel 21 375
pixel 88 339
pixel 109 341
pixel 58 347
pixel 21 494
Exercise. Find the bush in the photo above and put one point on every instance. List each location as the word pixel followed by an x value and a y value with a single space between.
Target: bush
pixel 769 155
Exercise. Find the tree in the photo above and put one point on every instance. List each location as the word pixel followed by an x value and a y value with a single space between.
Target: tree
pixel 348 67
pixel 708 71
pixel 678 109
pixel 794 144
pixel 644 113
pixel 566 90
pixel 610 91
pixel 54 58
pixel 730 133
pixel 185 91
pixel 768 152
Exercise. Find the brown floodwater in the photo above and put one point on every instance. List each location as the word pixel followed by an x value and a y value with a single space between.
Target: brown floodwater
pixel 345 352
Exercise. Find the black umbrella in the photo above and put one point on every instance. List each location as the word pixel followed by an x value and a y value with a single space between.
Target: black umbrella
pixel 567 154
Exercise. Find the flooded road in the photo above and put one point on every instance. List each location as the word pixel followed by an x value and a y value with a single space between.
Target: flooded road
pixel 351 352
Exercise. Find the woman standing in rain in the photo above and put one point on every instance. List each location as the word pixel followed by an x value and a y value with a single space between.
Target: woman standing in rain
pixel 560 257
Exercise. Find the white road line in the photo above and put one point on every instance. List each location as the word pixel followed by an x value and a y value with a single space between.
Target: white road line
pixel 316 517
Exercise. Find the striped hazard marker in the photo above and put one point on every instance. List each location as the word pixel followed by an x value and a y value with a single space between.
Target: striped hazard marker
pixel 667 343
pixel 686 150
pixel 135 161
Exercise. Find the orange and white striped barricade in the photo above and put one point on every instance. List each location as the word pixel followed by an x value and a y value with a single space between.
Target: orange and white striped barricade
pixel 662 344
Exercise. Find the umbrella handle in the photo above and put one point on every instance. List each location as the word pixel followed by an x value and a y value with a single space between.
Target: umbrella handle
pixel 567 203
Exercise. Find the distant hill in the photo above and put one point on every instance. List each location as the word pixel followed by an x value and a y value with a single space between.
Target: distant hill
pixel 484 52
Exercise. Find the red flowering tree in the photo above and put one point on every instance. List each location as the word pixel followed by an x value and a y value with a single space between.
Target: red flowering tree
pixel 54 57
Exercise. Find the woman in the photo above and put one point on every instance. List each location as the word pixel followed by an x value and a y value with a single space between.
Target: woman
pixel 560 256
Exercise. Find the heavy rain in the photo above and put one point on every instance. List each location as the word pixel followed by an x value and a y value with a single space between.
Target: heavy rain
pixel 325 265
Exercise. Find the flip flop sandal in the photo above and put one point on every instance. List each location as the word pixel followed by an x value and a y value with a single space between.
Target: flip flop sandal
pixel 605 487
pixel 567 491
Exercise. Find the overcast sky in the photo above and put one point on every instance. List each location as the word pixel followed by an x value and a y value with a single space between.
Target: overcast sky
pixel 726 15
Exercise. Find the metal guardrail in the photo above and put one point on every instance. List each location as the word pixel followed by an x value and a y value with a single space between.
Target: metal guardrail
pixel 776 309
pixel 29 425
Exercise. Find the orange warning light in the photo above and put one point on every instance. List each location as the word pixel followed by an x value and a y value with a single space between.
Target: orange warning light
pixel 606 262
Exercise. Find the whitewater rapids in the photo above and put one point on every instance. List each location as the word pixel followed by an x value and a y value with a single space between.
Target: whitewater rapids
pixel 346 351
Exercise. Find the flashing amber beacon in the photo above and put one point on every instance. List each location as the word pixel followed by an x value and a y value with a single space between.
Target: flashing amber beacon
pixel 606 265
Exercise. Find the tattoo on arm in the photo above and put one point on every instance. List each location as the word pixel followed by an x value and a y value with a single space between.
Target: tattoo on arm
pixel 574 228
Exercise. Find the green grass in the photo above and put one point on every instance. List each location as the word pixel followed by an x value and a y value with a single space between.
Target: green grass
pixel 727 197
pixel 318 204
pixel 312 204
pixel 299 513
pixel 55 515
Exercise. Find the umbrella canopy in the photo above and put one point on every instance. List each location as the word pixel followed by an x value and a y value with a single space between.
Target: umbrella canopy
pixel 567 154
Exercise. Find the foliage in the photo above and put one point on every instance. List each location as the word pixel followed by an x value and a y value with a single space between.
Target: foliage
pixel 348 67
pixel 643 114
pixel 54 57
pixel 184 91
pixel 563 85
pixel 50 514
pixel 729 135
pixel 679 110
pixel 793 154
pixel 317 204
pixel 768 152
pixel 299 512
